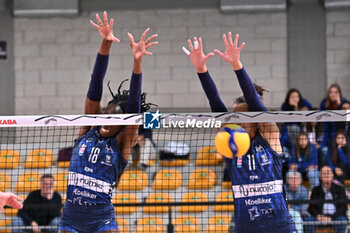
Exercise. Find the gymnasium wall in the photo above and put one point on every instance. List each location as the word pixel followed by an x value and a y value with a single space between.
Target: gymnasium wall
pixel 54 57
pixel 338 50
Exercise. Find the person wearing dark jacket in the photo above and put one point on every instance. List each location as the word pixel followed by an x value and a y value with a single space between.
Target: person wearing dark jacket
pixel 323 211
pixel 47 212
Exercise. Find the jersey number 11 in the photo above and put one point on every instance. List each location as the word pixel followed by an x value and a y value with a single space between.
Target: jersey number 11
pixel 251 162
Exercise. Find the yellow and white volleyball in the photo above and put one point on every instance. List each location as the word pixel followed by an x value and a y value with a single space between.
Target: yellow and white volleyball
pixel 232 140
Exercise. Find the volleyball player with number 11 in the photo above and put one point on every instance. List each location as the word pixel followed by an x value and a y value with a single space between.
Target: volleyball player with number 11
pixel 260 204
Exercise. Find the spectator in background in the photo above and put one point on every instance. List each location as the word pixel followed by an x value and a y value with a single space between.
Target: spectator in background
pixel 339 158
pixel 304 158
pixel 333 101
pixel 47 211
pixel 290 131
pixel 322 211
pixel 345 124
pixel 296 191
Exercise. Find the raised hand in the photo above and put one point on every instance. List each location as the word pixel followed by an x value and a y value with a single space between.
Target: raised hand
pixel 11 200
pixel 139 49
pixel 232 51
pixel 196 54
pixel 105 29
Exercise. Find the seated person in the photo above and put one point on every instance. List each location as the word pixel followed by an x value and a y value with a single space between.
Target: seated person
pixel 323 211
pixel 296 191
pixel 333 101
pixel 46 213
pixel 339 158
pixel 345 124
pixel 289 131
pixel 304 158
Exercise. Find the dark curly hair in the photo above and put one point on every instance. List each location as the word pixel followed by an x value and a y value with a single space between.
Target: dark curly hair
pixel 122 96
pixel 259 89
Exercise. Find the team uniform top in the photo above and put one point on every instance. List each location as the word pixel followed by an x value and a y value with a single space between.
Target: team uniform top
pixel 95 166
pixel 260 204
pixel 258 186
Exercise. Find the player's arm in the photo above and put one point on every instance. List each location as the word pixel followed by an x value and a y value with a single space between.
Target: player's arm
pixel 231 55
pixel 199 60
pixel 133 104
pixel 94 95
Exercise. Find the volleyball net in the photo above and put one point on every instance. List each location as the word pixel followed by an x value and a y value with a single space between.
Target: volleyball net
pixel 175 180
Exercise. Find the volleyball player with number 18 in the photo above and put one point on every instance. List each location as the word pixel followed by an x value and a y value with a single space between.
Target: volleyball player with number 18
pixel 260 204
pixel 100 153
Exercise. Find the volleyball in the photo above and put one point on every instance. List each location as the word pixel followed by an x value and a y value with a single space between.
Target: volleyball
pixel 232 140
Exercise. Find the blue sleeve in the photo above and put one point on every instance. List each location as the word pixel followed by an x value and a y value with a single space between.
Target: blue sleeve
pixel 307 104
pixel 313 156
pixel 323 104
pixel 284 136
pixel 133 104
pixel 325 134
pixel 302 166
pixel 212 93
pixel 293 157
pixel 284 107
pixel 343 157
pixel 251 96
pixel 342 101
pixel 97 76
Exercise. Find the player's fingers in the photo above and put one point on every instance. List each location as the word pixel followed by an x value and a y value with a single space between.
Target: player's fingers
pixel 144 34
pixel 95 25
pixel 230 38
pixel 151 44
pixel 225 40
pixel 99 20
pixel 111 22
pixel 190 44
pixel 148 53
pixel 218 52
pixel 14 203
pixel 200 43
pixel 186 51
pixel 236 40
pixel 151 38
pixel 195 43
pixel 208 56
pixel 241 47
pixel 115 39
pixel 17 198
pixel 131 38
pixel 105 20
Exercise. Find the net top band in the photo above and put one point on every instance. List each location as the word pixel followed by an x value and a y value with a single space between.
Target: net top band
pixel 172 118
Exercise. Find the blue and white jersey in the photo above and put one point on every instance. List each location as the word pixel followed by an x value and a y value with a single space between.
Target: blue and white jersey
pixel 258 189
pixel 95 166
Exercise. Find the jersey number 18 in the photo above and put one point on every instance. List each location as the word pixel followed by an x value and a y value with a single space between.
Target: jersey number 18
pixel 93 155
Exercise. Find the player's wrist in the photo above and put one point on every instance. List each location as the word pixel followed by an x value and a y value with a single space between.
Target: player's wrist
pixel 202 69
pixel 237 66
